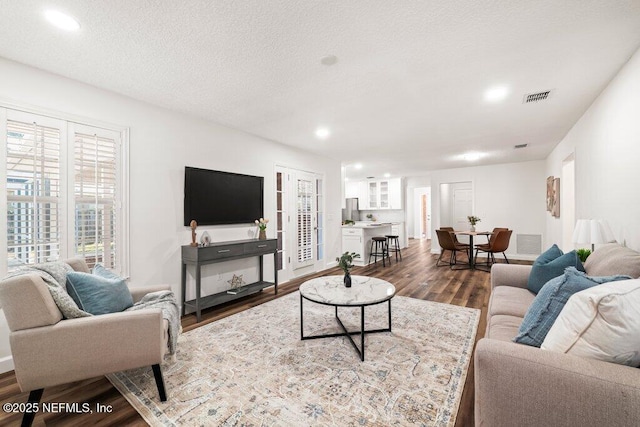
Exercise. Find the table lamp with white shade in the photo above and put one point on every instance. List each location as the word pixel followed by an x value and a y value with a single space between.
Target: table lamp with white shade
pixel 592 231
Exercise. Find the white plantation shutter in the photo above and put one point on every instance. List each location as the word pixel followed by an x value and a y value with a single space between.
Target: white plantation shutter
pixel 95 196
pixel 65 191
pixel 305 196
pixel 33 184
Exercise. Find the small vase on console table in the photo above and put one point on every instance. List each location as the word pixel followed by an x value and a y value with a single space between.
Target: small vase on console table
pixel 262 235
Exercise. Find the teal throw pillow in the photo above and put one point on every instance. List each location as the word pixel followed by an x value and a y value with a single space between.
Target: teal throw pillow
pixel 100 270
pixel 549 265
pixel 550 301
pixel 98 295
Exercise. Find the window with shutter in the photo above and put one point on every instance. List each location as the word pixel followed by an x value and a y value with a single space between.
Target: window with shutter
pixel 33 192
pixel 95 196
pixel 64 191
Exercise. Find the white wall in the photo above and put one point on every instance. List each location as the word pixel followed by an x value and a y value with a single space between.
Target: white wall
pixel 606 142
pixel 162 143
pixel 508 195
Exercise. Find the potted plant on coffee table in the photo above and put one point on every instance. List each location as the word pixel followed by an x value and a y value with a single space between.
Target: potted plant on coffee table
pixel 345 262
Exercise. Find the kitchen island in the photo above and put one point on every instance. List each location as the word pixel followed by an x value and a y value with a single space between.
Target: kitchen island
pixel 357 238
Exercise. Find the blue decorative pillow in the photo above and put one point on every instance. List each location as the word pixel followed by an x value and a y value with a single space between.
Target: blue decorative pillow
pixel 550 301
pixel 98 295
pixel 549 265
pixel 100 270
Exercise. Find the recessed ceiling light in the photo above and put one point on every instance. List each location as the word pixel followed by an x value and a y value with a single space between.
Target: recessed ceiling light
pixel 496 93
pixel 323 133
pixel 472 157
pixel 62 20
pixel 329 60
pixel 358 166
pixel 387 175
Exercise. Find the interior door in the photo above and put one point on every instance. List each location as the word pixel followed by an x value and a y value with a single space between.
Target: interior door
pixel 462 207
pixel 306 221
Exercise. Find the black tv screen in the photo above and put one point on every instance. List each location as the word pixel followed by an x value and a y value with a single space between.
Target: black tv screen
pixel 216 197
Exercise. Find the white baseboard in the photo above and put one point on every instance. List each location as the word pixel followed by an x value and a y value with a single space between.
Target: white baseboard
pixel 6 364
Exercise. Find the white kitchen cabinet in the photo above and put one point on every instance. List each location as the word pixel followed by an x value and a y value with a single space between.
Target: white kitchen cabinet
pixel 384 194
pixel 357 189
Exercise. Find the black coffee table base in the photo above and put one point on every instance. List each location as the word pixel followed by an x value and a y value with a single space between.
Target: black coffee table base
pixel 345 332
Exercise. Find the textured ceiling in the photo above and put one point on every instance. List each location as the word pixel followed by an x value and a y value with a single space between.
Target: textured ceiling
pixel 405 97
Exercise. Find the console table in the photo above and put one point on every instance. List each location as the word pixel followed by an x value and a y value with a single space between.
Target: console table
pixel 220 252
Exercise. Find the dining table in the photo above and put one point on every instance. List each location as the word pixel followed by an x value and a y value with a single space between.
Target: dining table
pixel 472 234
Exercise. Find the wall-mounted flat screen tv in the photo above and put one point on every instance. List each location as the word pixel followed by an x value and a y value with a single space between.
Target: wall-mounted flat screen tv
pixel 216 197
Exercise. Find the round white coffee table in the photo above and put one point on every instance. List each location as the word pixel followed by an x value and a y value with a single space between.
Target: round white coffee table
pixel 330 290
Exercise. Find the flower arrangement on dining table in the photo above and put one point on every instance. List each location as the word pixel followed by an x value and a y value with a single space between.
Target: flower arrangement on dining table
pixel 473 220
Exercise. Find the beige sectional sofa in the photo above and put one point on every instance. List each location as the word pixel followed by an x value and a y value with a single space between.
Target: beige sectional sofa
pixel 519 385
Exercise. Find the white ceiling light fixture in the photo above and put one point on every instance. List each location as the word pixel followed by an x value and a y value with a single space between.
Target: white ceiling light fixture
pixel 329 60
pixel 387 175
pixel 323 133
pixel 62 20
pixel 472 157
pixel 496 93
pixel 358 166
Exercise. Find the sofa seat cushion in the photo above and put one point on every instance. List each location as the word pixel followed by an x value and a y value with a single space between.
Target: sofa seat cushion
pixel 613 259
pixel 503 327
pixel 510 301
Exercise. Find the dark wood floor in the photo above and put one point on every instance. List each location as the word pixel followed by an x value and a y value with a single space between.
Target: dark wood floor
pixel 416 276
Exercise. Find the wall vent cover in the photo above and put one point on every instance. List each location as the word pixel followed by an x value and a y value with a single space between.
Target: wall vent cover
pixel 536 97
pixel 529 244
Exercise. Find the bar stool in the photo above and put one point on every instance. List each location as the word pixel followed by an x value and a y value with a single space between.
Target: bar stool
pixel 393 245
pixel 380 249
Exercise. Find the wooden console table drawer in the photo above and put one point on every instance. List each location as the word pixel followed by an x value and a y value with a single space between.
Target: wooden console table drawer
pixel 260 246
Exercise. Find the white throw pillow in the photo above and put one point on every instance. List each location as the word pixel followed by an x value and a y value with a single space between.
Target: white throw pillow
pixel 602 322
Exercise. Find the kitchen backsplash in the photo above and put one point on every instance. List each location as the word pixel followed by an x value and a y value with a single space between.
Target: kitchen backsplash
pixel 386 216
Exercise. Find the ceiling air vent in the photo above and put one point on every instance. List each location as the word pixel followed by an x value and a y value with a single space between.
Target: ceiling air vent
pixel 520 146
pixel 536 97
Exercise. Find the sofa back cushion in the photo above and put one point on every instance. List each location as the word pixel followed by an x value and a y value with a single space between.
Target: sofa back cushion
pixel 550 301
pixel 613 259
pixel 602 323
pixel 550 264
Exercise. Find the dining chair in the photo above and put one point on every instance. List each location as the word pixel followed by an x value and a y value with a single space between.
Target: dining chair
pixel 445 239
pixel 498 242
pixel 491 237
pixel 455 238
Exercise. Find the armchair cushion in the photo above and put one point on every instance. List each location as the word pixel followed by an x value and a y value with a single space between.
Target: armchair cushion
pixel 98 295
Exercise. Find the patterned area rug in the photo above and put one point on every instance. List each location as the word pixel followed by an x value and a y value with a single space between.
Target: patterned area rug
pixel 252 369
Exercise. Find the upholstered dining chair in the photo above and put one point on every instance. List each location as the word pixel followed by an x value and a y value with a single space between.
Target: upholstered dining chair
pixel 455 238
pixel 498 242
pixel 49 350
pixel 445 239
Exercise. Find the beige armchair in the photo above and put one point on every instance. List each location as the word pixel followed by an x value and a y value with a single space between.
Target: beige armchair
pixel 49 350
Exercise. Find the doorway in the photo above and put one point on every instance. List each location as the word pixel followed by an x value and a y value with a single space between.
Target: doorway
pixel 300 222
pixel 456 204
pixel 422 213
